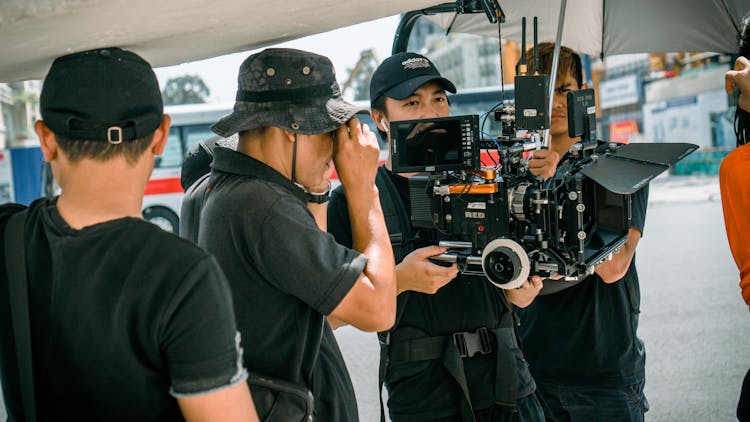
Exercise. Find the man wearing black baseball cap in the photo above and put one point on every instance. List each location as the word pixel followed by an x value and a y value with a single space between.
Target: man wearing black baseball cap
pixel 429 375
pixel 112 300
pixel 263 214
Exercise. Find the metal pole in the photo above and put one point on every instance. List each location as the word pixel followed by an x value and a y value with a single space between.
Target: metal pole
pixel 555 60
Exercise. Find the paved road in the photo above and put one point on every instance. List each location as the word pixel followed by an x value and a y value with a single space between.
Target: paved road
pixel 693 321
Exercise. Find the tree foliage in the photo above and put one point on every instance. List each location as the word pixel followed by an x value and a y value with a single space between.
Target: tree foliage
pixel 186 89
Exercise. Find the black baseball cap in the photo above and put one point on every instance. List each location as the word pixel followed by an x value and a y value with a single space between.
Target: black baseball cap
pixel 291 89
pixel 401 74
pixel 108 94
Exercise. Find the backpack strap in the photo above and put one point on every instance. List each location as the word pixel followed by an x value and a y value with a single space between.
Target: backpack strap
pixel 398 223
pixel 397 220
pixel 18 293
pixel 192 204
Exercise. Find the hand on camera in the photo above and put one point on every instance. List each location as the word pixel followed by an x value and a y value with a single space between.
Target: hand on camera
pixel 418 274
pixel 740 78
pixel 524 295
pixel 355 154
pixel 544 163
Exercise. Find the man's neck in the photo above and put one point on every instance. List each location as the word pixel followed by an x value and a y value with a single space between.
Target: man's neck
pixel 268 151
pixel 95 192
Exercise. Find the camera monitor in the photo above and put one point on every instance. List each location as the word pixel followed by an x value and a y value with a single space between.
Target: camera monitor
pixel 439 144
pixel 582 114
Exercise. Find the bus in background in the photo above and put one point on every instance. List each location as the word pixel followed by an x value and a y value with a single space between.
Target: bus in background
pixel 191 124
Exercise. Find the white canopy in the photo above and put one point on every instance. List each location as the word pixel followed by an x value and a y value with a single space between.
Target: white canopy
pixel 618 26
pixel 167 32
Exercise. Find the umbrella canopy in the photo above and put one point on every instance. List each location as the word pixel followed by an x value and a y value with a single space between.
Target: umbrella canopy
pixel 167 32
pixel 607 27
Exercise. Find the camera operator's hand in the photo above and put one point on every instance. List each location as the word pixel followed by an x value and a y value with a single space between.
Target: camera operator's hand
pixel 524 295
pixel 418 274
pixel 355 154
pixel 544 163
pixel 740 78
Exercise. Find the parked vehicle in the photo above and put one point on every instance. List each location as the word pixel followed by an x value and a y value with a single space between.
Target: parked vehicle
pixel 163 196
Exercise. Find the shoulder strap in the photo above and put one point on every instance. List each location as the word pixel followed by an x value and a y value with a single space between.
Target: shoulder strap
pixel 15 260
pixel 399 229
pixel 397 220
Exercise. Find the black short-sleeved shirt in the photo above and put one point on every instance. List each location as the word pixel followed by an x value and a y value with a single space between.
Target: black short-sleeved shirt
pixel 123 314
pixel 587 334
pixel 284 272
pixel 334 398
pixel 424 390
pixel 334 393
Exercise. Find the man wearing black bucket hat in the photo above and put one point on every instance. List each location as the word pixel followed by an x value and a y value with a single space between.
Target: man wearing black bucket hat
pixel 453 353
pixel 126 322
pixel 260 213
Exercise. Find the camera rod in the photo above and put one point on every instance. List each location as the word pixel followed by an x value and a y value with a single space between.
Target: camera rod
pixel 536 48
pixel 522 67
pixel 555 61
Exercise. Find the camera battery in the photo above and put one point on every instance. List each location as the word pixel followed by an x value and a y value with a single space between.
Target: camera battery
pixel 532 100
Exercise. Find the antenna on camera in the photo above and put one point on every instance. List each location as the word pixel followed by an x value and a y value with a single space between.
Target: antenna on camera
pixel 522 65
pixel 536 49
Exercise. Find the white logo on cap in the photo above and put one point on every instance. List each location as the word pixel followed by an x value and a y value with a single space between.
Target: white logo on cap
pixel 415 63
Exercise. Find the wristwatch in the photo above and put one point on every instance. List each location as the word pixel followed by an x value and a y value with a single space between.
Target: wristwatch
pixel 318 197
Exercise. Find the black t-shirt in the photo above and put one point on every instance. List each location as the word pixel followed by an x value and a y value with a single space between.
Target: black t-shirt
pixel 123 315
pixel 334 393
pixel 587 334
pixel 334 398
pixel 284 272
pixel 424 389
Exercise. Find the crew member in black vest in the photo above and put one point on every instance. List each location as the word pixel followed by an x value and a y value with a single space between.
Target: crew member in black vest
pixel 427 377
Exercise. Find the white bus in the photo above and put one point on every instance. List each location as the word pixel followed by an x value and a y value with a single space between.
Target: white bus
pixel 191 124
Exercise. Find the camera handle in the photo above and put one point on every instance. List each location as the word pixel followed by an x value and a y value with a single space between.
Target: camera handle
pixel 504 262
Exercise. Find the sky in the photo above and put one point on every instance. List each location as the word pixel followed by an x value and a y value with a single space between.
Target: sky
pixel 342 46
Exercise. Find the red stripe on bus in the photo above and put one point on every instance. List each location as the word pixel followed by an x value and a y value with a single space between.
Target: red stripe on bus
pixel 161 186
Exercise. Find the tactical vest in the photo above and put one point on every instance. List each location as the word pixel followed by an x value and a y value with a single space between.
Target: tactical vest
pixel 404 345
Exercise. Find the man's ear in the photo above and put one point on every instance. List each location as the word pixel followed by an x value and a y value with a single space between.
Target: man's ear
pixel 47 141
pixel 379 118
pixel 161 135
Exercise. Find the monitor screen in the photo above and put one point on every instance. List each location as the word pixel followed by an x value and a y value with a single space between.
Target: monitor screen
pixel 442 144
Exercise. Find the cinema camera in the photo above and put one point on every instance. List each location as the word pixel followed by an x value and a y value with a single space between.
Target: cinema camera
pixel 502 221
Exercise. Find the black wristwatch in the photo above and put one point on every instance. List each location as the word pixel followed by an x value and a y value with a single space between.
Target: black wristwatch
pixel 318 197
